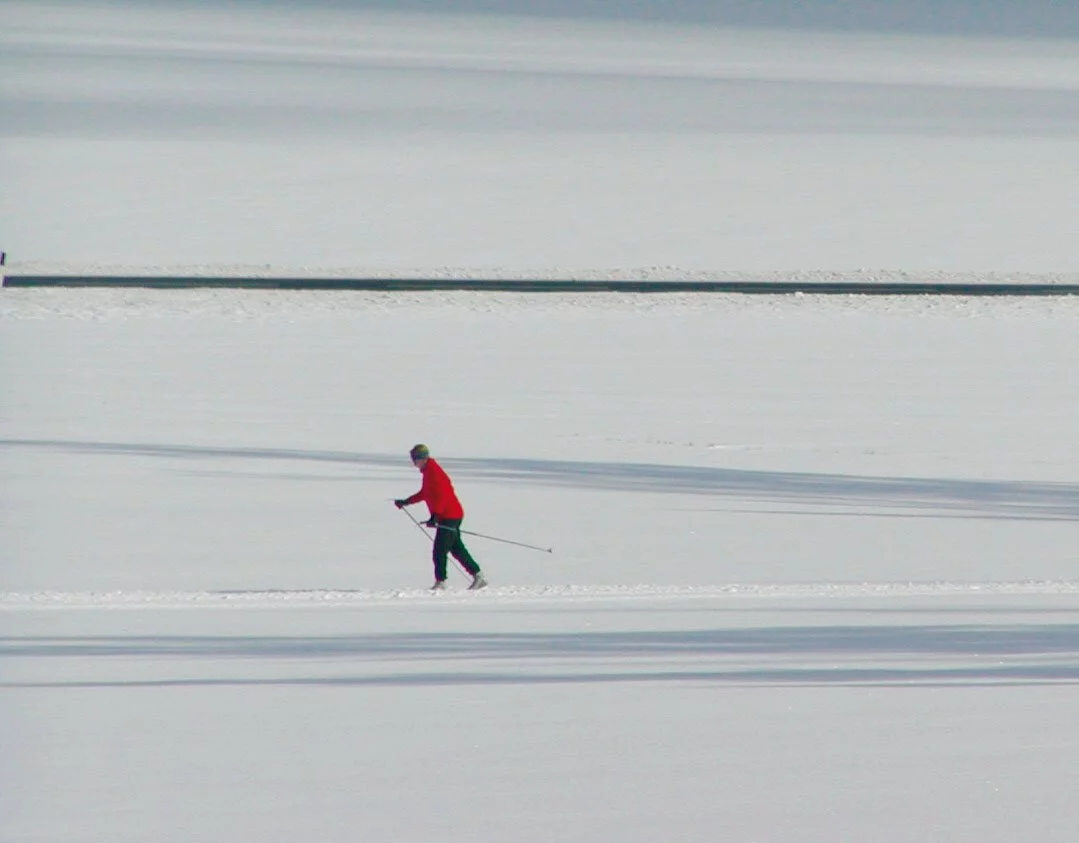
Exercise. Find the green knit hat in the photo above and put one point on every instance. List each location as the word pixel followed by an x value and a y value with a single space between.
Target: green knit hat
pixel 419 452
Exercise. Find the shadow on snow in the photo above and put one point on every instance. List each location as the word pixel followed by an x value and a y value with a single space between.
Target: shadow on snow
pixel 941 497
pixel 807 655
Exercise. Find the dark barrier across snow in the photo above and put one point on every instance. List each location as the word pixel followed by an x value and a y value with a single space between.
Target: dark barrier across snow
pixel 887 288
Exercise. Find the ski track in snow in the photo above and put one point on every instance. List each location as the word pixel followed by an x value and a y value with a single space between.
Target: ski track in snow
pixel 278 598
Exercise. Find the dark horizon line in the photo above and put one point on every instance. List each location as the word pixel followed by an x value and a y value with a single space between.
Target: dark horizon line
pixel 536 285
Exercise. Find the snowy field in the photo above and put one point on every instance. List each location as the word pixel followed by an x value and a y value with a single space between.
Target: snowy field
pixel 813 576
pixel 316 136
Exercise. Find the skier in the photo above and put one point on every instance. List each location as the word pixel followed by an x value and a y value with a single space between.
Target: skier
pixel 447 513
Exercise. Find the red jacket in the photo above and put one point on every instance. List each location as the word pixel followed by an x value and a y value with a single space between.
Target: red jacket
pixel 437 492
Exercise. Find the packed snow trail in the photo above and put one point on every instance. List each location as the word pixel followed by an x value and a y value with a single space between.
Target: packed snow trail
pixel 277 598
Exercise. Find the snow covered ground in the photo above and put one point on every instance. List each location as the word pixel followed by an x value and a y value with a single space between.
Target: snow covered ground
pixel 814 571
pixel 326 135
pixel 813 574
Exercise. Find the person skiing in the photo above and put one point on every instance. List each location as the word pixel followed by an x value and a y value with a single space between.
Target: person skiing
pixel 436 490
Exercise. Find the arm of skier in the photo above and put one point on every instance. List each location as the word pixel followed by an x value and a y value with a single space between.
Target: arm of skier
pixel 400 503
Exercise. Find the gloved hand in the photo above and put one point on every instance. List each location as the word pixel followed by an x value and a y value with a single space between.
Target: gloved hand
pixel 400 503
pixel 432 521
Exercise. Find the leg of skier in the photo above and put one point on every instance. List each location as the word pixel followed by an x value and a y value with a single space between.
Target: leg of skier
pixel 452 527
pixel 439 550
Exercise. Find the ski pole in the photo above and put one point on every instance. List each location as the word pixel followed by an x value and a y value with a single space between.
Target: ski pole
pixel 496 539
pixel 419 527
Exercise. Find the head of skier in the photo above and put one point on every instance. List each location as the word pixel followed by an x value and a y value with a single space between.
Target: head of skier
pixel 419 454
